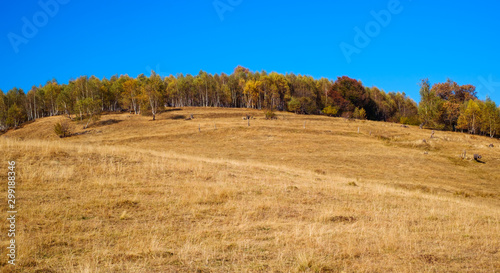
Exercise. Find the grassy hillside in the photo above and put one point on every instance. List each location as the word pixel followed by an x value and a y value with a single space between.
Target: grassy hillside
pixel 212 194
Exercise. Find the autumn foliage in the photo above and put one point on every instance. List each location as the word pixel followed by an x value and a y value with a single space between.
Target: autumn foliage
pixel 442 106
pixel 450 106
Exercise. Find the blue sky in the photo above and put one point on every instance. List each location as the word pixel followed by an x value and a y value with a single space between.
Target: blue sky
pixel 422 39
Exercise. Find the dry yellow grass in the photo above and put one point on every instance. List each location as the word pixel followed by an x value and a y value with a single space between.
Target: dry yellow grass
pixel 133 195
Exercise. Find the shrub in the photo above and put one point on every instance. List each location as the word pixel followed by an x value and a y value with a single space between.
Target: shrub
pixel 62 129
pixel 270 114
pixel 359 113
pixel 331 111
pixel 409 120
pixel 362 113
pixel 404 120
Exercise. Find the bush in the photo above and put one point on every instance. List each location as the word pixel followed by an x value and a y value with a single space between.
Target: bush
pixel 409 120
pixel 62 129
pixel 359 113
pixel 270 114
pixel 331 111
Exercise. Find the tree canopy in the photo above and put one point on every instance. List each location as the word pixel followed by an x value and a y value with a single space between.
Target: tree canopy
pixel 442 106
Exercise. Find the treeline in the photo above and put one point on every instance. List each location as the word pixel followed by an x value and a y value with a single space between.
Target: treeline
pixel 86 97
pixel 449 106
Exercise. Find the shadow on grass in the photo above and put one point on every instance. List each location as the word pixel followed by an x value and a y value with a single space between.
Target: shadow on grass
pixel 106 122
pixel 170 110
pixel 178 117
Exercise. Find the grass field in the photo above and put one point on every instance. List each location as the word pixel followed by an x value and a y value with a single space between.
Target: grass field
pixel 212 194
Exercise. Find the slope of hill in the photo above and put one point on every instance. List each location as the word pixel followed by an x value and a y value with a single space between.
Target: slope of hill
pixel 212 194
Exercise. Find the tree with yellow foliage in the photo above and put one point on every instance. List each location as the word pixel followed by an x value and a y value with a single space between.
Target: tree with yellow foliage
pixel 470 118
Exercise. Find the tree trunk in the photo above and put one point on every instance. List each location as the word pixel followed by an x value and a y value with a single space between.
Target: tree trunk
pixel 86 125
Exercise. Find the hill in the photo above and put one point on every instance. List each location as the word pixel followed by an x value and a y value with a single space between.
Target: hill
pixel 212 194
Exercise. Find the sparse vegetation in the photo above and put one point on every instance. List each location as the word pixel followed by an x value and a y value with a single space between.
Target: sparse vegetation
pixel 359 113
pixel 62 129
pixel 330 111
pixel 270 114
pixel 144 196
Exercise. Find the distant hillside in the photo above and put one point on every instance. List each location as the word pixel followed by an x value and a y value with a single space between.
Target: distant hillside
pixel 220 193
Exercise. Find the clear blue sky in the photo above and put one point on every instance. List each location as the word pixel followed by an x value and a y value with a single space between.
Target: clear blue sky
pixel 423 39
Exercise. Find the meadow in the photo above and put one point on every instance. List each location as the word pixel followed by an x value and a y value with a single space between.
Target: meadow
pixel 221 194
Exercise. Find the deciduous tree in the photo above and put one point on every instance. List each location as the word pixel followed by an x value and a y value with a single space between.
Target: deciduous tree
pixel 15 115
pixel 490 117
pixel 470 118
pixel 430 105
pixel 154 89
